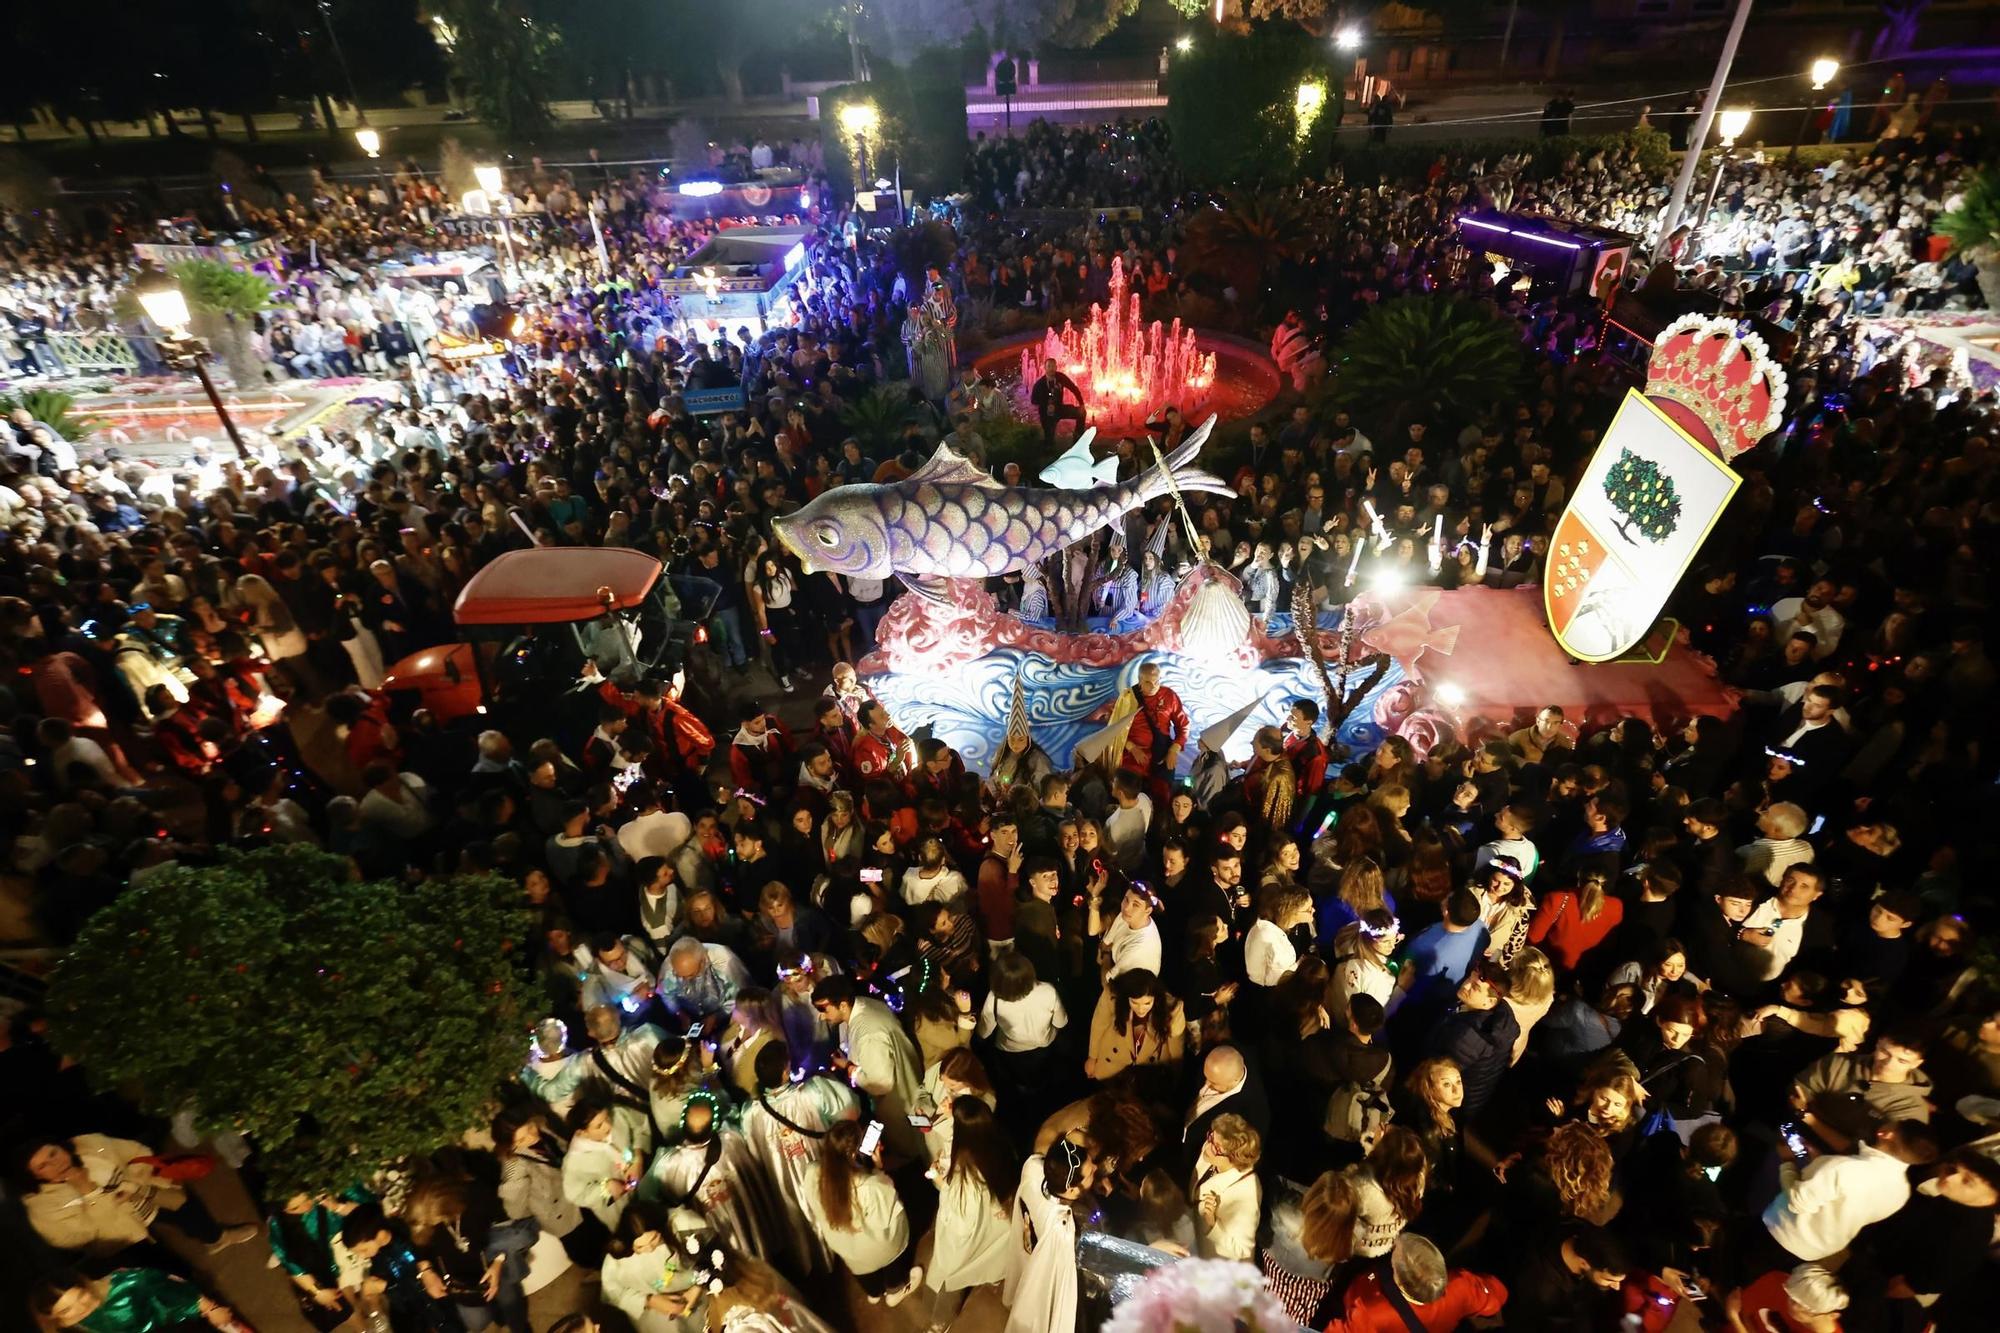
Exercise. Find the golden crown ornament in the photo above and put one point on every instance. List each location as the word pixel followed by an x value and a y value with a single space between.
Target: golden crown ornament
pixel 1720 385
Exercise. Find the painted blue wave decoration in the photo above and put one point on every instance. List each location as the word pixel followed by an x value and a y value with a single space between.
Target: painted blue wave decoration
pixel 966 706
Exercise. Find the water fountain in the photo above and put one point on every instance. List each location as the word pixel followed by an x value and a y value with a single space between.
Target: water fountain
pixel 1129 371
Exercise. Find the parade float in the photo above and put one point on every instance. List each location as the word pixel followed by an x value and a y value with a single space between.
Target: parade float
pixel 1378 659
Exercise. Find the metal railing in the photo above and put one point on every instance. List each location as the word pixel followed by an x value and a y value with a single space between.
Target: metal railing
pixel 87 353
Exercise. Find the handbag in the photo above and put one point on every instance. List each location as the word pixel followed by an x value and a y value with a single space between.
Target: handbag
pixel 324 1318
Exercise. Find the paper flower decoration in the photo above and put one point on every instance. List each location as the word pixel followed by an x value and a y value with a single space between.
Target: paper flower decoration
pixel 1201 1296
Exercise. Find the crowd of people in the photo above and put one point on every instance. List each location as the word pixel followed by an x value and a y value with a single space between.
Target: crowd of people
pixel 1569 1024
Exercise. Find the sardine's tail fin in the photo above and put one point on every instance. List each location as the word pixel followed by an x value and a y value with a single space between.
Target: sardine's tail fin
pixel 1105 471
pixel 1154 483
pixel 1443 638
pixel 931 587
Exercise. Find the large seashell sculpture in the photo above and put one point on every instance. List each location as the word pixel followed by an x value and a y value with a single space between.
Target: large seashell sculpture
pixel 1216 624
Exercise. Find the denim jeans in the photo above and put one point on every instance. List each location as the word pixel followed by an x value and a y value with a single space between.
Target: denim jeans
pixel 867 615
pixel 725 626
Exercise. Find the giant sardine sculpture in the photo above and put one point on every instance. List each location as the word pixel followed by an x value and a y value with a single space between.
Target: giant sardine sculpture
pixel 950 520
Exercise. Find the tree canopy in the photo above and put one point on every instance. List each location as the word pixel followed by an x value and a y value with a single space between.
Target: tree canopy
pixel 1235 109
pixel 343 1026
pixel 905 27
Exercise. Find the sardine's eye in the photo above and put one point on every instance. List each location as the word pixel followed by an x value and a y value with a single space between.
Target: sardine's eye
pixel 826 536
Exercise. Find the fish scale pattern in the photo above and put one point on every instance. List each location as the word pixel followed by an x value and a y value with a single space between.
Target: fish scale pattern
pixel 958 531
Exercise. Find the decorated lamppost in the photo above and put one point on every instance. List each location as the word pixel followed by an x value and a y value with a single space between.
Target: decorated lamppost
pixel 1821 74
pixel 860 120
pixel 493 185
pixel 1731 123
pixel 164 303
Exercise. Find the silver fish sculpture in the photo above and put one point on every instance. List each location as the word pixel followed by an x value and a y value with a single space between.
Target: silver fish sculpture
pixel 1076 469
pixel 950 520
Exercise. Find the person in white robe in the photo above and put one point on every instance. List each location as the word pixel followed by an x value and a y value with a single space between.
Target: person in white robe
pixel 1041 1274
pixel 786 1127
pixel 973 1243
pixel 656 1284
pixel 712 1171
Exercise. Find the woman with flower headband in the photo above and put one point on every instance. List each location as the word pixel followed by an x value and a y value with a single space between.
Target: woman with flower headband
pixel 682 1066
pixel 709 1168
pixel 653 1278
pixel 748 1295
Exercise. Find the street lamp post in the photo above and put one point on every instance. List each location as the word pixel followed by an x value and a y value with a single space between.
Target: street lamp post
pixel 1731 123
pixel 167 307
pixel 1698 137
pixel 492 185
pixel 333 38
pixel 1822 74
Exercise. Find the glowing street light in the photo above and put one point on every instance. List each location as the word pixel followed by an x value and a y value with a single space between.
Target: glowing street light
pixel 1307 104
pixel 493 185
pixel 369 139
pixel 860 118
pixel 1821 74
pixel 166 306
pixel 1730 123
pixel 1184 44
pixel 1347 39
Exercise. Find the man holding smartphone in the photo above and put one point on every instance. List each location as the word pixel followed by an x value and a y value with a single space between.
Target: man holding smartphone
pixel 877 1056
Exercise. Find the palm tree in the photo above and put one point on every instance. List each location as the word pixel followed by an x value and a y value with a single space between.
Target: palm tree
pixel 1428 353
pixel 878 419
pixel 224 303
pixel 1973 228
pixel 51 407
pixel 1247 241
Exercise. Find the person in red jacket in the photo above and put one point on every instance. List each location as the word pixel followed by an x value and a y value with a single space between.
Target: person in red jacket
pixel 1571 922
pixel 362 720
pixel 682 740
pixel 881 753
pixel 830 732
pixel 1159 731
pixel 1418 1292
pixel 1307 751
pixel 762 756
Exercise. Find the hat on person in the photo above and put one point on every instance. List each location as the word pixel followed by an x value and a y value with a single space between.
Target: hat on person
pixel 1017 710
pixel 1107 744
pixel 1815 1290
pixel 1508 866
pixel 1217 734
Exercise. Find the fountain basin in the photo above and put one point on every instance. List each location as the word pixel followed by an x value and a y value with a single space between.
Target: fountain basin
pixel 1246 379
